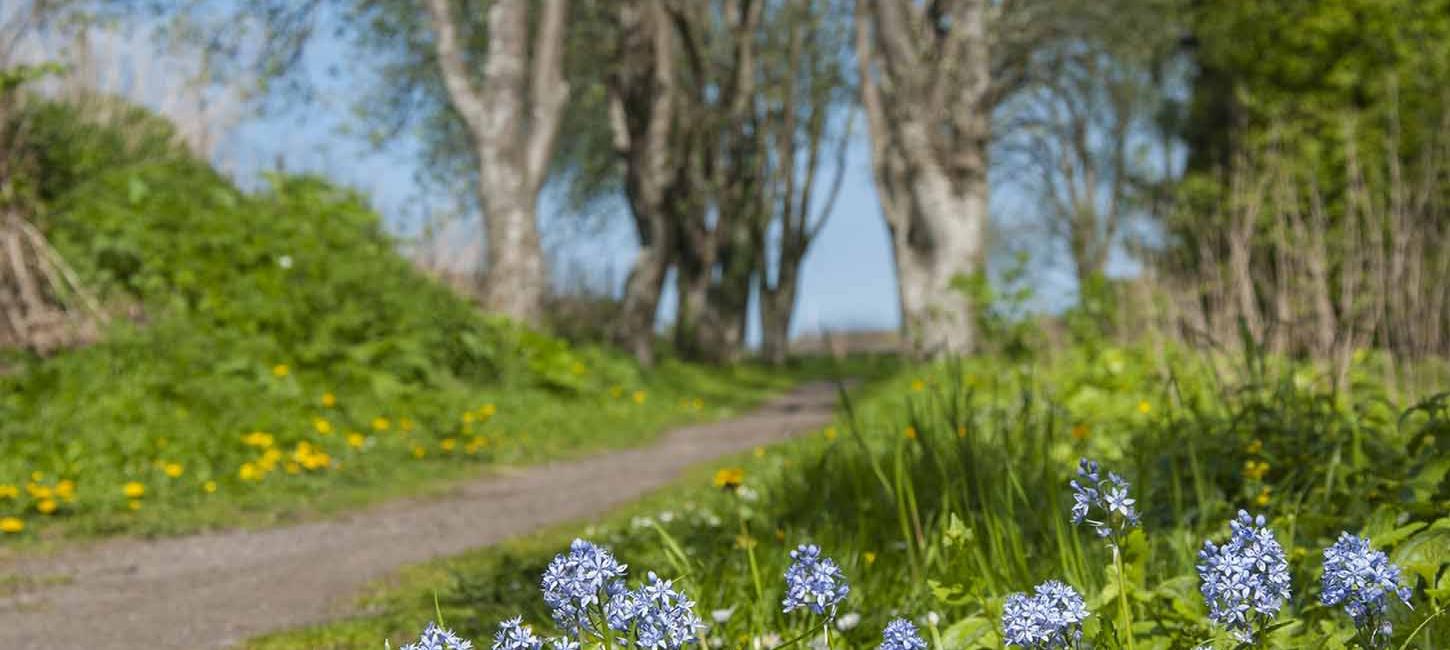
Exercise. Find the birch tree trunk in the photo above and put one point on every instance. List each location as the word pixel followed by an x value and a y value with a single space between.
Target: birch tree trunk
pixel 512 115
pixel 927 93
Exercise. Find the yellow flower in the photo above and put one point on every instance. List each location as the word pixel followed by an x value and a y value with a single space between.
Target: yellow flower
pixel 468 417
pixel 257 439
pixel 1079 432
pixel 1263 498
pixel 208 487
pixel 249 472
pixel 639 396
pixel 37 476
pixel 760 452
pixel 1144 407
pixel 9 491
pixel 405 424
pixel 11 525
pixel 830 433
pixel 961 431
pixel 133 490
pixel 66 489
pixel 870 557
pixel 38 491
pixel 697 404
pixel 329 400
pixel 918 385
pixel 322 425
pixel 173 469
pixel 448 444
pixel 292 467
pixel 134 505
pixel 381 424
pixel 281 370
pixel 419 451
pixel 45 506
pixel 1255 470
pixel 1255 447
pixel 356 440
pixel 487 410
pixel 729 478
pixel 578 368
pixel 910 433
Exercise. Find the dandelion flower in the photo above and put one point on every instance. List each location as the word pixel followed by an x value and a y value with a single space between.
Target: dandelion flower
pixel 134 504
pixel 329 400
pixel 322 425
pixel 910 433
pixel 172 470
pixel 729 478
pixel 356 440
pixel 208 487
pixel 45 506
pixel 66 490
pixel 9 491
pixel 1144 407
pixel 249 472
pixel 448 444
pixel 639 396
pixel 918 385
pixel 829 433
pixel 133 490
pixel 813 582
pixel 11 525
pixel 281 370
pixel 38 491
pixel 899 634
pixel 381 424
pixel 419 451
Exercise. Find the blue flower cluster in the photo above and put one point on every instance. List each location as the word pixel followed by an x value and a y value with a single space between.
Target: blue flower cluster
pixel 661 618
pixel 437 638
pixel 514 635
pixel 813 582
pixel 1091 495
pixel 1048 619
pixel 900 634
pixel 587 575
pixel 1362 579
pixel 1245 581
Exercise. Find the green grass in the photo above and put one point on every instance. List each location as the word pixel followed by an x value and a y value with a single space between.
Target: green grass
pixel 946 490
pixel 272 356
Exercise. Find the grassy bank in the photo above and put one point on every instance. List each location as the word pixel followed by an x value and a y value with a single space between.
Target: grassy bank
pixel 947 489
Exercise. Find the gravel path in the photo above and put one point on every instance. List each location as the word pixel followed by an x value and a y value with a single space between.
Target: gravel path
pixel 215 590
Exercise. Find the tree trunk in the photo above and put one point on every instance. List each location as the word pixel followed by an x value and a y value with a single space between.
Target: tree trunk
pixel 513 119
pixel 642 110
pixel 927 93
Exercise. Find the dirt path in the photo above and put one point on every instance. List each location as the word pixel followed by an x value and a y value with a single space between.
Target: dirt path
pixel 214 590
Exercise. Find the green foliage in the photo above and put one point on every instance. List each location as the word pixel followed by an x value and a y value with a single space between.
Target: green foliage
pixel 945 489
pixel 286 311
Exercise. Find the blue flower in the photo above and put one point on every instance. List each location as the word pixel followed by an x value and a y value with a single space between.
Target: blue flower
pixel 1362 579
pixel 437 638
pixel 900 634
pixel 1245 581
pixel 660 617
pixel 1048 619
pixel 1090 492
pixel 813 582
pixel 585 576
pixel 514 635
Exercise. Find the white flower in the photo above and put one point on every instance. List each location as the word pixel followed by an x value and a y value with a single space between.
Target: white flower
pixel 667 516
pixel 285 261
pixel 746 494
pixel 717 642
pixel 848 621
pixel 933 618
pixel 722 615
pixel 765 642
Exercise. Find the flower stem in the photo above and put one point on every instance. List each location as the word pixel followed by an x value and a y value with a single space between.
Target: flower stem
pixel 1123 595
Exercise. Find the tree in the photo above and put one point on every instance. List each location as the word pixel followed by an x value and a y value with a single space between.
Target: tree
pixel 642 103
pixel 806 94
pixel 927 90
pixel 513 118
